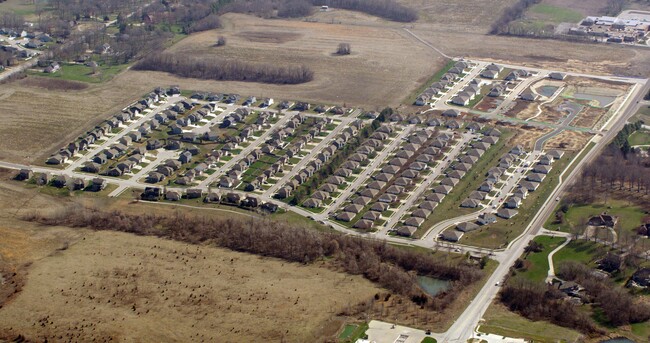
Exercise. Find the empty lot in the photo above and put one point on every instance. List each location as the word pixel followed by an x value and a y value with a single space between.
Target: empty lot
pixel 82 285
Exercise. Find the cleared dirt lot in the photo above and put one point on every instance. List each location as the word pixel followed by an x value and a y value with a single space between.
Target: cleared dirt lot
pixel 82 285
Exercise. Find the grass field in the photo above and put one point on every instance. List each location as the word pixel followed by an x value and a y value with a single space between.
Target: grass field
pixel 629 216
pixel 500 321
pixel 640 138
pixel 556 14
pixel 80 72
pixel 537 262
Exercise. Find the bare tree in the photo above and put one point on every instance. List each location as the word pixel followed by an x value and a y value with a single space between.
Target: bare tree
pixel 221 41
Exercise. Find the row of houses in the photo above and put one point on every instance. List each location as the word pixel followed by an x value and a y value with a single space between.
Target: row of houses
pixel 397 176
pixel 322 159
pixel 446 81
pixel 211 197
pixel 60 181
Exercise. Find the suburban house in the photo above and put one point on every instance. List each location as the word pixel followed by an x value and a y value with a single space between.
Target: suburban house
pixel 603 219
pixel 451 235
pixel 506 213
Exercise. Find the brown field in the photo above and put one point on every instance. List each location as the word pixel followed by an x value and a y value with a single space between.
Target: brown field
pixel 142 288
pixel 589 117
pixel 527 137
pixel 459 15
pixel 568 140
pixel 36 121
pixel 378 73
pixel 116 286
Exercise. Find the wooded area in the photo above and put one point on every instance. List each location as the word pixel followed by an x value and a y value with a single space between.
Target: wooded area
pixel 387 9
pixel 391 267
pixel 212 68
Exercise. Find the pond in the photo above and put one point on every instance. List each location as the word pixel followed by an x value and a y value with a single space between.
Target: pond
pixel 432 286
pixel 547 91
pixel 603 100
pixel 618 340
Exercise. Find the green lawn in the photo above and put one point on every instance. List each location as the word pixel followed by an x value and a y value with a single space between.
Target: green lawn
pixel 537 262
pixel 82 73
pixel 639 138
pixel 352 333
pixel 629 216
pixel 557 14
pixel 500 321
pixel 429 340
pixel 586 252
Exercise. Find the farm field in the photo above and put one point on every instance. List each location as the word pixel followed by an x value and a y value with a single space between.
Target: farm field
pixel 353 80
pixel 168 285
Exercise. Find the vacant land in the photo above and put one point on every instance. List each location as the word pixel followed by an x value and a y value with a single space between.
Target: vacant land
pixel 500 321
pixel 376 74
pixel 38 120
pixel 80 72
pixel 552 13
pixel 158 288
pixel 640 138
pixel 104 285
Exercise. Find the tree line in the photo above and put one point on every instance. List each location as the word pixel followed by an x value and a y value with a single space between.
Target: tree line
pixel 387 9
pixel 545 302
pixel 270 8
pixel 510 14
pixel 618 306
pixel 212 68
pixel 391 267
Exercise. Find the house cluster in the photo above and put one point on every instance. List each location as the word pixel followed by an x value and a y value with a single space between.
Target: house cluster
pixel 449 119
pixel 104 131
pixel 446 81
pixel 181 166
pixel 212 197
pixel 467 94
pixel 60 181
pixel 322 159
pixel 396 178
pixel 613 29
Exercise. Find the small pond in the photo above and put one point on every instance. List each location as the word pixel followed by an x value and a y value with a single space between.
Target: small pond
pixel 432 286
pixel 547 91
pixel 618 340
pixel 603 100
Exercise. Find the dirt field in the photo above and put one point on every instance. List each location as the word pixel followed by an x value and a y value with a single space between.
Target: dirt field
pixel 376 74
pixel 527 137
pixel 568 140
pixel 37 121
pixel 115 286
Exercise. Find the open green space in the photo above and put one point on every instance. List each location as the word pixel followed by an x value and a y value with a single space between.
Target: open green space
pixel 639 138
pixel 556 14
pixel 536 263
pixel 429 340
pixel 83 73
pixel 586 252
pixel 351 333
pixel 500 321
pixel 629 216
